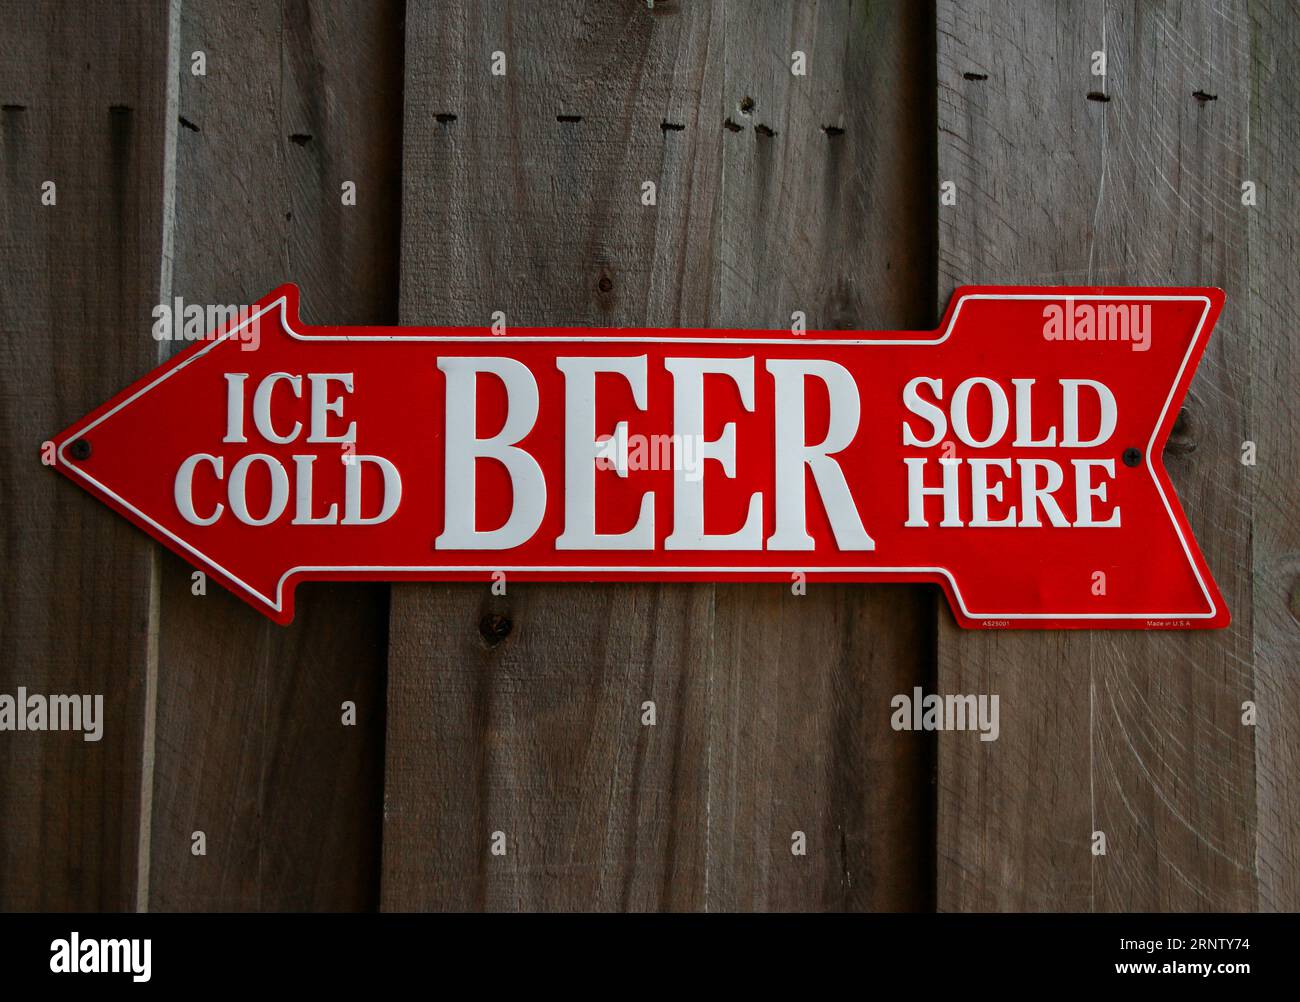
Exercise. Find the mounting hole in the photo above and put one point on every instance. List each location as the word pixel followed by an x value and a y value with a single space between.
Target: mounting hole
pixel 80 449
pixel 1132 457
pixel 746 105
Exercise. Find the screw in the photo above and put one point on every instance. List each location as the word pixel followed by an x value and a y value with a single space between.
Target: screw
pixel 1132 457
pixel 80 449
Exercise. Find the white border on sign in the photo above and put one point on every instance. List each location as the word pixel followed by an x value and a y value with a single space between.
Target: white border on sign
pixel 278 602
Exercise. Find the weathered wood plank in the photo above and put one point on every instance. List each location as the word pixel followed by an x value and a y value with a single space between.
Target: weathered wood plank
pixel 772 710
pixel 1273 162
pixel 506 207
pixel 1135 735
pixel 82 95
pixel 298 98
pixel 827 210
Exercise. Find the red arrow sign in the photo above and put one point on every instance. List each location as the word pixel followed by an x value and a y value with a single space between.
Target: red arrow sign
pixel 1012 455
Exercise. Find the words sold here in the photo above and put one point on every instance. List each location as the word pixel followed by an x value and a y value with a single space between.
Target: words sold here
pixel 1011 456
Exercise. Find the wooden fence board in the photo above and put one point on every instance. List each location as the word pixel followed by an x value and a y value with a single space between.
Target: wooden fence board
pixel 251 749
pixel 1137 735
pixel 81 94
pixel 538 735
pixel 508 207
pixel 1273 163
pixel 827 210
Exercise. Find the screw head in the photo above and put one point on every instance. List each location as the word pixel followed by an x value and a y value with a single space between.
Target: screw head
pixel 1132 457
pixel 80 449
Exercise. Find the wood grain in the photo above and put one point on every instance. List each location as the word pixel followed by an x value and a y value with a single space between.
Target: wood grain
pixel 1137 735
pixel 522 194
pixel 506 207
pixel 826 209
pixel 81 93
pixel 1273 162
pixel 250 749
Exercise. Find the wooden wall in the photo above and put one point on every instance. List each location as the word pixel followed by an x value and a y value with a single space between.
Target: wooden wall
pixel 522 193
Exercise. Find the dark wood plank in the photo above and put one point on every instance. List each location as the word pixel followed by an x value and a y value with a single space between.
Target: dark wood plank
pixel 1273 161
pixel 82 95
pixel 250 746
pixel 1134 734
pixel 772 710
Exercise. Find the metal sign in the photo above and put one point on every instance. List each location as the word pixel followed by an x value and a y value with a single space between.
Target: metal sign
pixel 1013 456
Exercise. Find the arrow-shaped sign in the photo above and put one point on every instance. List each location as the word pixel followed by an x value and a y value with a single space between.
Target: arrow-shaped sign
pixel 1013 456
